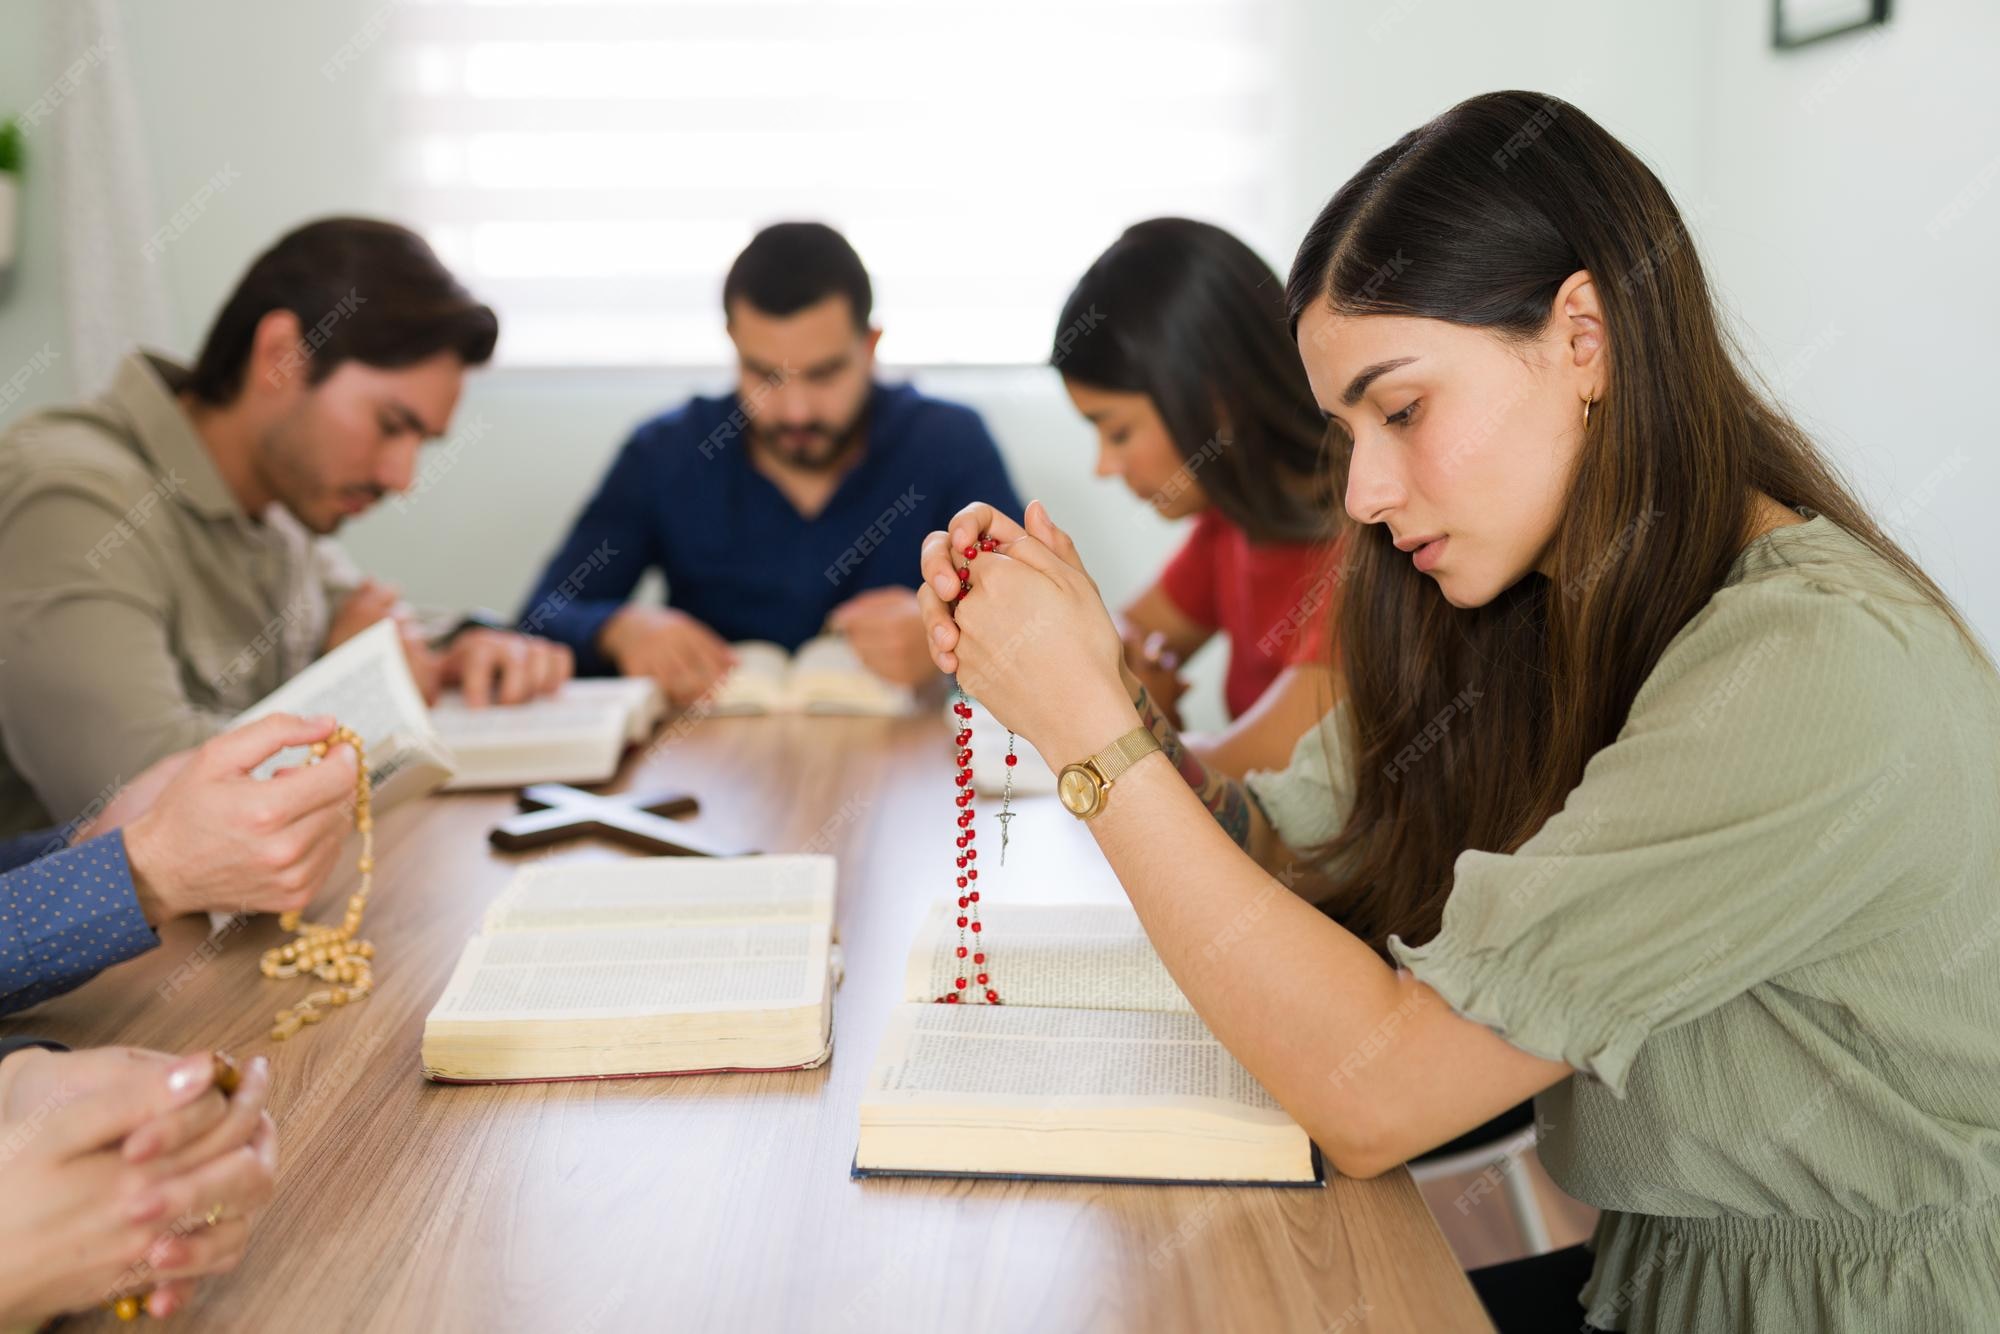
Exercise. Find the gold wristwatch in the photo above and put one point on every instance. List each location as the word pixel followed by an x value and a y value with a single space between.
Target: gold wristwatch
pixel 1083 785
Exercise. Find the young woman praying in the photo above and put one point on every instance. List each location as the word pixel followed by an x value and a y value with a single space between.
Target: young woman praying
pixel 1174 346
pixel 1673 776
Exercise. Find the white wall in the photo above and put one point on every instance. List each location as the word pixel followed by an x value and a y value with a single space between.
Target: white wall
pixel 1818 181
pixel 1814 176
pixel 1366 71
pixel 1832 172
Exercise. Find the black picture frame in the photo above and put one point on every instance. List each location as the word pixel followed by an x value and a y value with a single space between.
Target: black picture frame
pixel 1790 37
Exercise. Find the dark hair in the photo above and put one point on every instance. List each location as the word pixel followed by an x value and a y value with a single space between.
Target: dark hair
pixel 791 265
pixel 362 290
pixel 1185 313
pixel 1478 218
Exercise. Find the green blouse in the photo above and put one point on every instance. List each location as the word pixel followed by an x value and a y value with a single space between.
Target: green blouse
pixel 1765 930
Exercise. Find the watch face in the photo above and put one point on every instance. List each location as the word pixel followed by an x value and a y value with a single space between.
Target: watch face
pixel 1078 789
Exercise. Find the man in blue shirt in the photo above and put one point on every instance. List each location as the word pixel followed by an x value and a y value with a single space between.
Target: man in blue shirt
pixel 793 505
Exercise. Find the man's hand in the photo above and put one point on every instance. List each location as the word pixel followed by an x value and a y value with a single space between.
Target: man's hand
pixel 135 798
pixel 683 655
pixel 426 663
pixel 372 601
pixel 217 839
pixel 886 627
pixel 368 603
pixel 501 667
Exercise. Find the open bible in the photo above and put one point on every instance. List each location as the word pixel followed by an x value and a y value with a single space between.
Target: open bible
pixel 577 735
pixel 1095 1067
pixel 651 966
pixel 824 676
pixel 366 684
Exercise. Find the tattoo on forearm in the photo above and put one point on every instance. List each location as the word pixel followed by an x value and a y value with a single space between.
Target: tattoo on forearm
pixel 1225 797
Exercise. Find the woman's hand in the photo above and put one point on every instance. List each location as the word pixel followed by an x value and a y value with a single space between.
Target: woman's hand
pixel 115 1161
pixel 1149 662
pixel 940 561
pixel 1033 640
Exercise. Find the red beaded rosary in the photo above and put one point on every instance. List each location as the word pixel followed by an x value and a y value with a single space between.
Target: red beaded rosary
pixel 968 873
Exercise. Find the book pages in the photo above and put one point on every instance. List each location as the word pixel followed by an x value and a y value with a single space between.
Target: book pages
pixel 366 685
pixel 1085 956
pixel 551 716
pixel 667 891
pixel 827 677
pixel 983 1050
pixel 577 735
pixel 647 966
pixel 639 697
pixel 759 683
pixel 824 677
pixel 638 970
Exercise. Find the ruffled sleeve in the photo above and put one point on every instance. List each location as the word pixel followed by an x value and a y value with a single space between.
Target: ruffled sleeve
pixel 1745 821
pixel 1308 801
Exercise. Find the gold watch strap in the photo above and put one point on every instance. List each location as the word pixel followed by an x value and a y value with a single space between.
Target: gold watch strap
pixel 1126 751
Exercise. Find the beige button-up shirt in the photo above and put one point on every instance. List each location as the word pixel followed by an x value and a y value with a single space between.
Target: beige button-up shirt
pixel 140 608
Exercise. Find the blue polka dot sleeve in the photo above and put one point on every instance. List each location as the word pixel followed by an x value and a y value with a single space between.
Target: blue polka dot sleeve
pixel 24 848
pixel 64 918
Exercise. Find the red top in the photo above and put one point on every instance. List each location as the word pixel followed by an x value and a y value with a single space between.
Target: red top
pixel 1270 600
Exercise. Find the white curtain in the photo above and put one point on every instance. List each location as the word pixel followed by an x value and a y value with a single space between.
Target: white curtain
pixel 113 294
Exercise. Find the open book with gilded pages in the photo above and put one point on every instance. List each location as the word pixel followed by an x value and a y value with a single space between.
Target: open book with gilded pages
pixel 365 684
pixel 824 676
pixel 648 966
pixel 1094 1067
pixel 577 735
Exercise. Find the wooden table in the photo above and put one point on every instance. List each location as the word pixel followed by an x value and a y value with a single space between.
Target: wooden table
pixel 718 1202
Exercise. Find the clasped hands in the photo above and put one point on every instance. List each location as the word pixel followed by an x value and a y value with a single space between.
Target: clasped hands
pixel 1032 641
pixel 128 1172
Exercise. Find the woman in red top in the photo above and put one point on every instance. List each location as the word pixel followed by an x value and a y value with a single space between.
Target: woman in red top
pixel 1175 345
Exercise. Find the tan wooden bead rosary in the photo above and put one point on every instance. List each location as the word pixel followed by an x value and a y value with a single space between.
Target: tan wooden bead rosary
pixel 330 953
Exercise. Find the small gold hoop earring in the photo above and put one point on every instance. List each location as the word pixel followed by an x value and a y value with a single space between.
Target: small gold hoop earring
pixel 1586 407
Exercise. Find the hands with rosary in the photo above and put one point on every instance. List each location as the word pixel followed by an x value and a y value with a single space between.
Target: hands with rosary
pixel 1030 637
pixel 130 1175
pixel 1026 631
pixel 203 835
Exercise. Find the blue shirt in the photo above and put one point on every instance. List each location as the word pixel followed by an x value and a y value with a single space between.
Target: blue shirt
pixel 685 499
pixel 66 914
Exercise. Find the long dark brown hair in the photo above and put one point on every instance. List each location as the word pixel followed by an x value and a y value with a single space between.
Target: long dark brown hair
pixel 1478 217
pixel 1185 313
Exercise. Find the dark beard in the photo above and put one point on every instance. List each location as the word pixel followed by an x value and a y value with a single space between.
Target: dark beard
pixel 831 450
